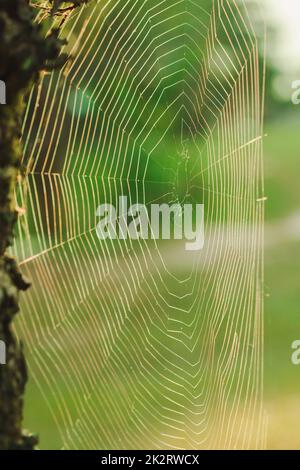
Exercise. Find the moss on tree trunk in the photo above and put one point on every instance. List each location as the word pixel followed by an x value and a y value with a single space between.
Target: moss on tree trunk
pixel 24 52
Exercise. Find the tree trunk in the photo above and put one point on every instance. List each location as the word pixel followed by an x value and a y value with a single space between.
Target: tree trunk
pixel 24 52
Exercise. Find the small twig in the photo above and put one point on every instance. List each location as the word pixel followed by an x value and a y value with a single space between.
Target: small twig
pixel 59 12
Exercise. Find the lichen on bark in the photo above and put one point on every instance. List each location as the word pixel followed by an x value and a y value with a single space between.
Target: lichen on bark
pixel 24 52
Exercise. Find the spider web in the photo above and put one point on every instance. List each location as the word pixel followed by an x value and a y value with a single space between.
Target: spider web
pixel 139 344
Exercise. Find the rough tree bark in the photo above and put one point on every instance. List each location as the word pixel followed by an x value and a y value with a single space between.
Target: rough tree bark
pixel 24 53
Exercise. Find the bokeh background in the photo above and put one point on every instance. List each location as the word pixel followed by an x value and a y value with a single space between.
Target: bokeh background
pixel 282 235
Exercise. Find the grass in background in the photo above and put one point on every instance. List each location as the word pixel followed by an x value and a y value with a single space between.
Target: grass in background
pixel 282 308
